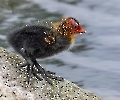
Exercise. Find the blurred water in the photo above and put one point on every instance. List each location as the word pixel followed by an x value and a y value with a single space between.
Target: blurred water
pixel 93 62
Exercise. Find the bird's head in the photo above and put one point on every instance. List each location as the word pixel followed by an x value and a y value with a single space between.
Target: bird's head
pixel 72 25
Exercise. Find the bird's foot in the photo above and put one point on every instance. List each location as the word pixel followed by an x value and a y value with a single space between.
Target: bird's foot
pixel 30 71
pixel 47 75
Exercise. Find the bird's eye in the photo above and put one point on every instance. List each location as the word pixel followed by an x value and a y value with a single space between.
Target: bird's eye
pixel 74 26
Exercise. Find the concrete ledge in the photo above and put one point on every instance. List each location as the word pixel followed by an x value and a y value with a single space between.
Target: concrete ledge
pixel 14 87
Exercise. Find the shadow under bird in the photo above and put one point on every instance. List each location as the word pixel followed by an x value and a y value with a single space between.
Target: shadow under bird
pixel 42 41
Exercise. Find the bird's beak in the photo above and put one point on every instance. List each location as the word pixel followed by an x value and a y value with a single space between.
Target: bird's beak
pixel 82 31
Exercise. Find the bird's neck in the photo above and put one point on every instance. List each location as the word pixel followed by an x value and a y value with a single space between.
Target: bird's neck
pixel 66 33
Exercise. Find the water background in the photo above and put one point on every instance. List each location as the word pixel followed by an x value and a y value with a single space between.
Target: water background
pixel 94 61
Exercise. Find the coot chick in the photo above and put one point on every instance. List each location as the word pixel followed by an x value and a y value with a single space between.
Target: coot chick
pixel 42 41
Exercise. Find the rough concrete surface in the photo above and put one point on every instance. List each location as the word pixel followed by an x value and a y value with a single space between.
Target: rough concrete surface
pixel 13 85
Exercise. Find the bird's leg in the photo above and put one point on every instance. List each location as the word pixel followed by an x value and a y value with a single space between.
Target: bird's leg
pixel 47 74
pixel 31 63
pixel 37 76
pixel 51 72
pixel 24 64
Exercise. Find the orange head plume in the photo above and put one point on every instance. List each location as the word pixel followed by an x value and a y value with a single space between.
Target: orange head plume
pixel 74 26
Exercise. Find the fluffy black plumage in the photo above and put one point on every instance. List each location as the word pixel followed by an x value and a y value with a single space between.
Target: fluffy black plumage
pixel 41 41
pixel 30 42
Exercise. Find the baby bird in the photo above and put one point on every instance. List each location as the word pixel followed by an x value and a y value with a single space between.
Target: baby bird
pixel 42 41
